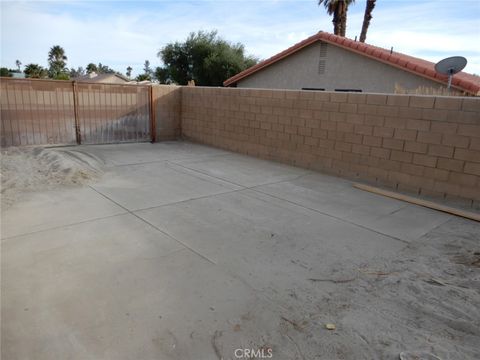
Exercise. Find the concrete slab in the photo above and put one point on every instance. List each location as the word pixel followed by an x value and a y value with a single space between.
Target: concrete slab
pixel 50 209
pixel 147 185
pixel 243 170
pixel 269 243
pixel 138 153
pixel 208 267
pixel 337 197
pixel 118 289
pixel 410 222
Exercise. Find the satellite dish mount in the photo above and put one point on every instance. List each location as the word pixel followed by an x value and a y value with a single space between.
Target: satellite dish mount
pixel 450 66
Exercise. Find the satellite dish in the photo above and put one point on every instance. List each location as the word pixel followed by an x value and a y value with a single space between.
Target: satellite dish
pixel 450 66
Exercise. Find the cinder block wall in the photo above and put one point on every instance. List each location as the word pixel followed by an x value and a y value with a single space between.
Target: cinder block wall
pixel 167 106
pixel 427 145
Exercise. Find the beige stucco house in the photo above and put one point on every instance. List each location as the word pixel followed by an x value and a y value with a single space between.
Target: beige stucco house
pixel 328 62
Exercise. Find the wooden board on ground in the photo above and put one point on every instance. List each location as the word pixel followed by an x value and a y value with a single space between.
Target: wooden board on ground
pixel 430 204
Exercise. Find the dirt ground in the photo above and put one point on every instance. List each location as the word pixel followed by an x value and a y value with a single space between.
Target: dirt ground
pixel 178 251
pixel 425 298
pixel 36 168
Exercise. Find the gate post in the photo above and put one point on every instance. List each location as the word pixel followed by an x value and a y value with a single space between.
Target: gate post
pixel 75 114
pixel 153 122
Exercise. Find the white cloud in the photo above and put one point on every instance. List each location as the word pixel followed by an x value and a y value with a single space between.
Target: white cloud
pixel 122 34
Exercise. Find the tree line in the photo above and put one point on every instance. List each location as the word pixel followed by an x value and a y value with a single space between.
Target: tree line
pixel 203 57
pixel 57 67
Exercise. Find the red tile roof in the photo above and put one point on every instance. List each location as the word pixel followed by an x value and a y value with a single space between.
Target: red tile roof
pixel 463 81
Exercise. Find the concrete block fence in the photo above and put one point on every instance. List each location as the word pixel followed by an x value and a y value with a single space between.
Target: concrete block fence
pixel 426 145
pixel 167 111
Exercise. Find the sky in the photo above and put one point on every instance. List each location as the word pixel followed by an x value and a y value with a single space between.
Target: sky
pixel 125 33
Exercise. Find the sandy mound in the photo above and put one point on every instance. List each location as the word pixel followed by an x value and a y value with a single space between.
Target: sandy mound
pixel 33 169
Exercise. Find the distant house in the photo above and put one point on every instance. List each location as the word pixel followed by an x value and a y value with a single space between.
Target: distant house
pixel 18 75
pixel 103 78
pixel 328 62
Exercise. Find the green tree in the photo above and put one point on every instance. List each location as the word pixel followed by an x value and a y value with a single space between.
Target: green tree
pixel 4 72
pixel 146 68
pixel 18 63
pixel 162 75
pixel 62 76
pixel 143 77
pixel 91 68
pixel 129 71
pixel 337 8
pixel 57 61
pixel 76 72
pixel 35 71
pixel 104 69
pixel 147 72
pixel 203 57
pixel 366 19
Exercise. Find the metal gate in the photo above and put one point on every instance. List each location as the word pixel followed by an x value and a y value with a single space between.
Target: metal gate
pixel 43 112
pixel 111 113
pixel 36 112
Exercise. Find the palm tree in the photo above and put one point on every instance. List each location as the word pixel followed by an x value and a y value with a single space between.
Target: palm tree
pixel 366 19
pixel 337 8
pixel 129 71
pixel 18 63
pixel 34 71
pixel 146 68
pixel 57 60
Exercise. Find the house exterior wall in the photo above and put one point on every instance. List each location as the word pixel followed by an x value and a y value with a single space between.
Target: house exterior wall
pixel 428 145
pixel 343 70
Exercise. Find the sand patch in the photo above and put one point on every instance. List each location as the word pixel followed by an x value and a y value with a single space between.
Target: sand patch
pixel 35 168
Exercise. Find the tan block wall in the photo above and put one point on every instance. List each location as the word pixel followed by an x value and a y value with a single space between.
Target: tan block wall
pixel 167 106
pixel 421 144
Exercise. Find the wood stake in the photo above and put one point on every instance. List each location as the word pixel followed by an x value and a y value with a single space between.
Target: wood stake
pixel 429 204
